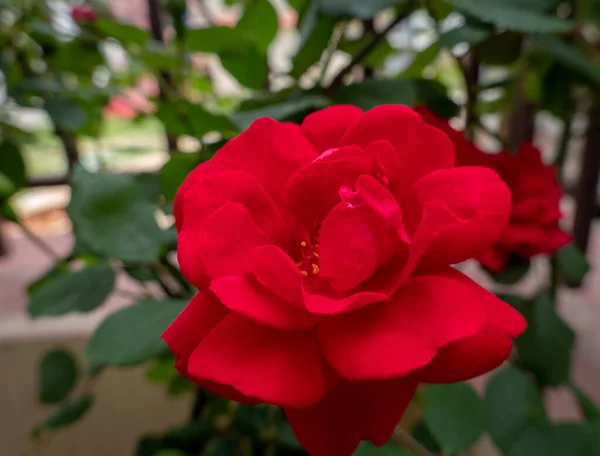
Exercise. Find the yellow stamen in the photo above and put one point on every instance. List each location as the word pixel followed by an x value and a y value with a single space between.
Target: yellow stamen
pixel 304 273
pixel 315 268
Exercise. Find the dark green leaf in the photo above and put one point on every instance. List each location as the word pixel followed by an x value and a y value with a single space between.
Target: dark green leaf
pixel 373 92
pixel 112 215
pixel 368 449
pixel 162 370
pixel 354 8
pixel 217 39
pixel 501 49
pixel 455 416
pixel 573 262
pixel 58 374
pixel 466 34
pixel 159 58
pixel 141 273
pixel 150 183
pixel 588 408
pixel 512 17
pixel 80 291
pixel 558 440
pixel 534 5
pixel 556 90
pixel 259 23
pixel 421 61
pixel 12 167
pixel 312 48
pixel 513 273
pixel 423 435
pixel 179 385
pixel 434 95
pixel 513 403
pixel 545 347
pixel 249 67
pixel 376 58
pixel 69 413
pixel 280 110
pixel 133 335
pixel 174 172
pixel 65 113
pixel 203 122
pixel 125 33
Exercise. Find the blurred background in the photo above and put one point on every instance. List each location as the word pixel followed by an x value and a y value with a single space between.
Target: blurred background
pixel 105 106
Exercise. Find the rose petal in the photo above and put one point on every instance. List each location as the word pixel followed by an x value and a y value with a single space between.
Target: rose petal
pixel 480 203
pixel 276 271
pixel 392 339
pixel 192 325
pixel 421 148
pixel 325 128
pixel 209 193
pixel 312 191
pixel 222 246
pixel 322 304
pixel 268 150
pixel 242 295
pixel 283 368
pixel 352 412
pixel 483 352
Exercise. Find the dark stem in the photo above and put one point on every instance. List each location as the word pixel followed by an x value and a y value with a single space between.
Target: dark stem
pixel 588 181
pixel 199 403
pixel 156 27
pixel 370 47
pixel 520 123
pixel 70 145
pixel 563 146
pixel 470 67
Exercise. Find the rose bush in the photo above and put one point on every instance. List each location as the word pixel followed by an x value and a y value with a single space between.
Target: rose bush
pixel 323 257
pixel 533 227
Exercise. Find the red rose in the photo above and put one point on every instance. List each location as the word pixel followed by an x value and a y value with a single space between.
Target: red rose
pixel 533 228
pixel 323 253
pixel 84 13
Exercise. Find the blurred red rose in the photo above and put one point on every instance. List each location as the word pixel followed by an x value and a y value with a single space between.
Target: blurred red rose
pixel 323 254
pixel 119 107
pixel 533 228
pixel 84 13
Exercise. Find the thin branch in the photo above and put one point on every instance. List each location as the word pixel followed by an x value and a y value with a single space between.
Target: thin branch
pixel 370 47
pixel 331 48
pixel 39 243
pixel 404 439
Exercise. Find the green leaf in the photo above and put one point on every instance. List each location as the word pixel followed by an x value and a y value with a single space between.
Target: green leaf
pixel 513 273
pixel 132 335
pixel 184 118
pixel 512 16
pixel 589 409
pixel 12 167
pixel 513 403
pixel 125 33
pixel 259 23
pixel 573 262
pixel 376 58
pixel 65 113
pixel 249 67
pixel 375 92
pixel 434 95
pixel 174 172
pixel 203 121
pixel 159 58
pixel 179 385
pixel 421 61
pixel 58 374
pixel 162 370
pixel 455 416
pixel 217 39
pixel 286 109
pixel 580 439
pixel 80 291
pixel 469 34
pixel 354 8
pixel 545 347
pixel 112 215
pixel 312 47
pixel 571 57
pixel 368 449
pixel 69 413
pixel 501 49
